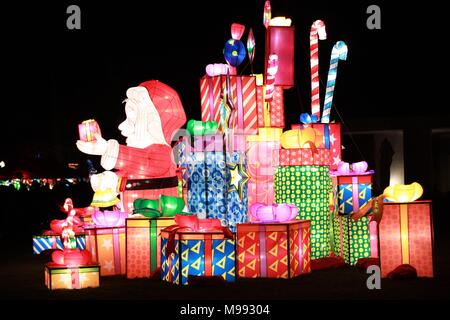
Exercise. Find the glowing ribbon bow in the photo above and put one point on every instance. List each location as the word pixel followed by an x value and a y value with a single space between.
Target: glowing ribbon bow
pixel 302 138
pixel 306 118
pixel 403 192
pixel 273 213
pixel 109 218
pixel 347 169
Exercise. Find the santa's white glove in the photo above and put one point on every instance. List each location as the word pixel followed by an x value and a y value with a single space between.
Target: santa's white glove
pixel 97 147
pixel 104 181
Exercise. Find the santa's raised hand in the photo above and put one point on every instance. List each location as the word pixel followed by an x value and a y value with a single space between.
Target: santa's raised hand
pixel 96 147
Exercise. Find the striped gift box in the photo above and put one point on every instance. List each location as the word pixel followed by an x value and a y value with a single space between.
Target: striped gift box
pixel 243 94
pixel 49 242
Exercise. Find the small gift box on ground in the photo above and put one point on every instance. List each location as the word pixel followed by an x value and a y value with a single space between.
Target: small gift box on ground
pixel 406 237
pixel 143 245
pixel 209 251
pixel 273 250
pixel 354 239
pixel 67 277
pixel 242 94
pixel 308 187
pixel 331 133
pixel 49 242
pixel 107 247
pixel 217 186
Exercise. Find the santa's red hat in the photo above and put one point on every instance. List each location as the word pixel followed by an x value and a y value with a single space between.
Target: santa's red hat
pixel 169 106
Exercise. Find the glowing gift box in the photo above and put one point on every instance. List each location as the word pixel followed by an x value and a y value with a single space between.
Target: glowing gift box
pixel 301 157
pixel 65 277
pixel 280 41
pixel 43 242
pixel 87 130
pixel 243 96
pixel 352 239
pixel 143 253
pixel 331 133
pixel 260 165
pixel 107 247
pixel 353 193
pixel 209 193
pixel 273 250
pixel 274 115
pixel 406 237
pixel 308 187
pixel 197 254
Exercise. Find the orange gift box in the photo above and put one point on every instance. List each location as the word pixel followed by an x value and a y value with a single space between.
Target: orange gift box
pixel 406 237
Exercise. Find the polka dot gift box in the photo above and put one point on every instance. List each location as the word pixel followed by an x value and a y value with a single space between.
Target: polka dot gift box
pixel 308 187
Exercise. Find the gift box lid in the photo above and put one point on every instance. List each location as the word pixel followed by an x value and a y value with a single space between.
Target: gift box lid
pixel 273 226
pixel 56 268
pixel 143 222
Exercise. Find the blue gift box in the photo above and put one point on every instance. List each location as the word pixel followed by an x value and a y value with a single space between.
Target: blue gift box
pixel 208 187
pixel 353 193
pixel 50 242
pixel 197 254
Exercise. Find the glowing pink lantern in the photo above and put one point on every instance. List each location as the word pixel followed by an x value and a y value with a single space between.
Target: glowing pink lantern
pixel 280 41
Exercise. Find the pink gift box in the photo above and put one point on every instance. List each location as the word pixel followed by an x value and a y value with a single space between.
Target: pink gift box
pixel 87 130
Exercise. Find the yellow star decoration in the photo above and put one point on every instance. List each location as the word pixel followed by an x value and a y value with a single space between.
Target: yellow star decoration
pixel 239 177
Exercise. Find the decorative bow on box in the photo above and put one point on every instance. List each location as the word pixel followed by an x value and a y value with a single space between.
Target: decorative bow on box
pixel 306 118
pixel 109 219
pixel 170 206
pixel 302 138
pixel 403 192
pixel 191 223
pixel 273 213
pixel 347 169
pixel 200 128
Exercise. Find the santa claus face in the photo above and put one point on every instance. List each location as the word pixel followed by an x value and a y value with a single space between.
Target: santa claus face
pixel 142 127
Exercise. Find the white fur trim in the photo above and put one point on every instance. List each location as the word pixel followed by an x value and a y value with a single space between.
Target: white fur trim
pixel 109 159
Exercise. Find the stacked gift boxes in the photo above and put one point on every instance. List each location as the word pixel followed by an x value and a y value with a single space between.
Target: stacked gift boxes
pixel 196 254
pixel 210 194
pixel 273 250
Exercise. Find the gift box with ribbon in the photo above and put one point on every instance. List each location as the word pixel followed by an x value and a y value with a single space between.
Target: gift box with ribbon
pixel 308 187
pixel 197 248
pixel 45 242
pixel 354 186
pixel 242 94
pixel 87 130
pixel 331 139
pixel 65 277
pixel 353 239
pixel 107 248
pixel 143 245
pixel 260 165
pixel 271 115
pixel 406 237
pixel 273 250
pixel 217 186
pixel 301 157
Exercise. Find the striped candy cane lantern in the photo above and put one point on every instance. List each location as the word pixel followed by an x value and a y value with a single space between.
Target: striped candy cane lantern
pixel 339 52
pixel 317 32
pixel 272 69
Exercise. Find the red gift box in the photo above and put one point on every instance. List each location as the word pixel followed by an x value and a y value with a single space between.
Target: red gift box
pixel 273 250
pixel 331 139
pixel 243 95
pixel 406 237
pixel 302 157
pixel 87 130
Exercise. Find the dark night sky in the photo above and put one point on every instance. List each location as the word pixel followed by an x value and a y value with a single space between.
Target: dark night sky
pixel 55 78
